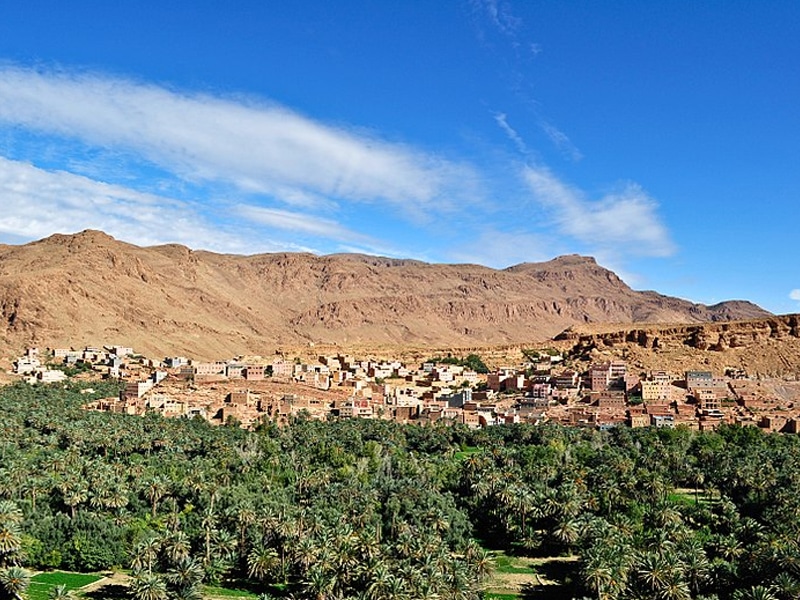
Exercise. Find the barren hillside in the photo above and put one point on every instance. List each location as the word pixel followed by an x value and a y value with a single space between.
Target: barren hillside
pixel 88 288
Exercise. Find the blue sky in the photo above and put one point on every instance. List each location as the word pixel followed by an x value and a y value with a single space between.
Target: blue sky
pixel 661 138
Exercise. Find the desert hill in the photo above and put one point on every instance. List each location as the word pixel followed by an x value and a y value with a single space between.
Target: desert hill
pixel 89 288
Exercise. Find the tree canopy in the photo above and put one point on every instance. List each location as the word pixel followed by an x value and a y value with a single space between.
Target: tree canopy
pixel 363 508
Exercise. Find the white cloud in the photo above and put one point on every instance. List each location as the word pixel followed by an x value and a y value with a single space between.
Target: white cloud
pixel 561 141
pixel 37 203
pixel 500 249
pixel 500 15
pixel 270 170
pixel 623 222
pixel 302 223
pixel 256 147
pixel 511 133
pixel 795 295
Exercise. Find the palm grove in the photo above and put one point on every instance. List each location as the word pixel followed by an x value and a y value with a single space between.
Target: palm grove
pixel 373 509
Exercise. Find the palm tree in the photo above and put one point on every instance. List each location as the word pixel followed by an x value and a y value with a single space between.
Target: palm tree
pixel 155 490
pixel 397 588
pixel 117 498
pixel 305 553
pixel 185 578
pixel 319 583
pixel 786 586
pixel 13 579
pixel 567 531
pixel 674 588
pixel 696 563
pixel 379 578
pixel 60 592
pixel 597 573
pixel 145 554
pixel 10 532
pixel 654 571
pixel 177 547
pixel 480 560
pixel 74 495
pixel 757 592
pixel 262 561
pixel 224 544
pixel 245 517
pixel 148 586
pixel 13 582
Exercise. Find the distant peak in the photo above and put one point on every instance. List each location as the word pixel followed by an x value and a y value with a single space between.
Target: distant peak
pixel 560 261
pixel 87 235
pixel 575 259
pixel 94 234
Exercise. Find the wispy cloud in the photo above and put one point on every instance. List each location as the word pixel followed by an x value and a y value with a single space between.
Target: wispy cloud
pixel 622 222
pixel 501 16
pixel 254 146
pixel 152 165
pixel 302 223
pixel 500 249
pixel 502 19
pixel 795 294
pixel 37 203
pixel 511 133
pixel 561 141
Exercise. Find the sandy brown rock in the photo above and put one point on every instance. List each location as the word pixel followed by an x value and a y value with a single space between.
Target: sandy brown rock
pixel 767 346
pixel 88 288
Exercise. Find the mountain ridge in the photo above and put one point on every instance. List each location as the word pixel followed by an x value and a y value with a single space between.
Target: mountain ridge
pixel 91 288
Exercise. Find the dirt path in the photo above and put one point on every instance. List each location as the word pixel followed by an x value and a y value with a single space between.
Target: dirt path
pixel 541 572
pixel 115 578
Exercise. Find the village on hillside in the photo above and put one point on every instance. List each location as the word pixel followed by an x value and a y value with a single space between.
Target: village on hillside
pixel 248 391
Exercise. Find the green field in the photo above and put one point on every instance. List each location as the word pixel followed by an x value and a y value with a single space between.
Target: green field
pixel 530 578
pixel 221 592
pixel 508 564
pixel 688 497
pixel 467 451
pixel 42 583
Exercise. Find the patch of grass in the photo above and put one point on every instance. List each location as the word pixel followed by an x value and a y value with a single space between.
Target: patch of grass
pixel 221 592
pixel 678 498
pixel 688 497
pixel 466 451
pixel 42 583
pixel 73 581
pixel 506 564
pixel 39 592
pixel 532 578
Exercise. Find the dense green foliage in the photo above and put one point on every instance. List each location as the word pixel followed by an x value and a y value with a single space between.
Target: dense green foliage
pixel 318 510
pixel 372 509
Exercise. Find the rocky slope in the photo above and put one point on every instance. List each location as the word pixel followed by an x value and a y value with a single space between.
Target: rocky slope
pixel 767 346
pixel 88 288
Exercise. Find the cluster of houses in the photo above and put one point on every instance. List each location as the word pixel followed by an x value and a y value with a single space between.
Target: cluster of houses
pixel 250 390
pixel 31 367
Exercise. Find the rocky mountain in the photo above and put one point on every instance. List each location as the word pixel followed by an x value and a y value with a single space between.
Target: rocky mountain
pixel 89 288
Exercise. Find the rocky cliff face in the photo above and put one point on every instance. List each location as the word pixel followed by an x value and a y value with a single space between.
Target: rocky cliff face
pixel 767 346
pixel 89 288
pixel 715 336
